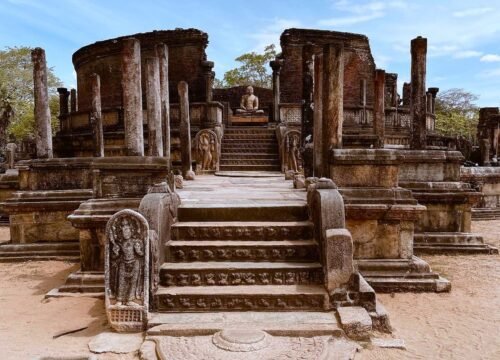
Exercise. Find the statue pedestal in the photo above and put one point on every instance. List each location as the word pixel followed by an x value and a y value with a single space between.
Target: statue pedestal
pixel 248 119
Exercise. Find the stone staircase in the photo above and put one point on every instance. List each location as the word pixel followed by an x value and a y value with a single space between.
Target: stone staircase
pixel 64 251
pixel 242 257
pixel 249 149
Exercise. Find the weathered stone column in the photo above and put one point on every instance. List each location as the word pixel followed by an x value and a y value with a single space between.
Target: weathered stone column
pixel 96 117
pixel 406 94
pixel 362 101
pixel 153 99
pixel 276 66
pixel 63 101
pixel 209 76
pixel 433 91
pixel 162 54
pixel 318 116
pixel 307 110
pixel 42 110
pixel 391 90
pixel 379 108
pixel 418 99
pixel 73 103
pixel 333 100
pixel 132 97
pixel 185 131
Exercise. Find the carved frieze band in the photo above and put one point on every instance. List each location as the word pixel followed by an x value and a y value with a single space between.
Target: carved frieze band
pixel 244 233
pixel 229 277
pixel 235 302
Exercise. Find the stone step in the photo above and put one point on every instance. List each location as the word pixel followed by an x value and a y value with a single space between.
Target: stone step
pixel 23 258
pixel 249 162
pixel 402 284
pixel 249 136
pixel 439 248
pixel 41 246
pixel 255 147
pixel 244 156
pixel 246 211
pixel 247 231
pixel 274 323
pixel 247 129
pixel 242 297
pixel 240 273
pixel 249 140
pixel 250 168
pixel 42 253
pixel 235 250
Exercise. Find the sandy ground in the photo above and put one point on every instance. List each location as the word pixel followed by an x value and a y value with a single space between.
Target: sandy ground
pixel 463 324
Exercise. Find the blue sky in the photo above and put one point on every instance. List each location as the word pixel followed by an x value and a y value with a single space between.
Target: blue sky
pixel 463 35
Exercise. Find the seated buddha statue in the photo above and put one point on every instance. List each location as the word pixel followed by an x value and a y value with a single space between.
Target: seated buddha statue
pixel 249 104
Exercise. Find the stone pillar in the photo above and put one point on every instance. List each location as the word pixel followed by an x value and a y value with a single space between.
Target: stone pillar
pixel 276 66
pixel 379 108
pixel 433 91
pixel 96 117
pixel 418 100
pixel 318 116
pixel 391 90
pixel 42 110
pixel 162 54
pixel 362 101
pixel 63 101
pixel 185 131
pixel 406 94
pixel 209 76
pixel 73 104
pixel 428 102
pixel 132 97
pixel 307 110
pixel 333 100
pixel 153 99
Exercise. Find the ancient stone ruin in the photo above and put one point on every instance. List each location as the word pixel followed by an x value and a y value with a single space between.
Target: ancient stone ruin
pixel 176 198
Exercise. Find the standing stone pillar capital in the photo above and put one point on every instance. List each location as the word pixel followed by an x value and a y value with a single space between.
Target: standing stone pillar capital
pixel 42 110
pixel 209 79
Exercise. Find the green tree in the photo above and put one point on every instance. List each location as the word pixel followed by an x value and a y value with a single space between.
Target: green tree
pixel 254 70
pixel 457 114
pixel 16 92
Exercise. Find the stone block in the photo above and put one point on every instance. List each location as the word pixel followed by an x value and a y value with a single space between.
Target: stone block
pixel 338 258
pixel 356 322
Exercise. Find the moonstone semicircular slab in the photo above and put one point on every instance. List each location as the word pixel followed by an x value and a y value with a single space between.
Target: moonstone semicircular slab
pixel 241 340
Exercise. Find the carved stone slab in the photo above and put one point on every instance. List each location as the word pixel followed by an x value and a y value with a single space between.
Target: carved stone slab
pixel 127 271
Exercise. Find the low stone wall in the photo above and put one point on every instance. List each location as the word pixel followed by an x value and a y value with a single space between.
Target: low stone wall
pixel 486 180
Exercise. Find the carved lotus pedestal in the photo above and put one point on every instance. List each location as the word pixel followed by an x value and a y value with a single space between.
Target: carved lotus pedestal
pixel 381 217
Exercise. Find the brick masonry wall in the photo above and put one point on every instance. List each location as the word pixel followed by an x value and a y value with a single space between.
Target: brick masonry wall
pixel 186 53
pixel 358 63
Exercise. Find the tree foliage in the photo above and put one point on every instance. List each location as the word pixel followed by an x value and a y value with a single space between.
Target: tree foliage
pixel 254 70
pixel 16 92
pixel 457 114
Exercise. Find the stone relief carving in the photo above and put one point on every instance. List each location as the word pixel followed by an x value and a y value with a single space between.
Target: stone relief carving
pixel 207 149
pixel 291 151
pixel 127 270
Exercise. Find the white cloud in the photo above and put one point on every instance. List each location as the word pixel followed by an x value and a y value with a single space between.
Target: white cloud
pixel 465 54
pixel 472 12
pixel 490 73
pixel 350 20
pixel 490 58
pixel 271 33
pixel 360 13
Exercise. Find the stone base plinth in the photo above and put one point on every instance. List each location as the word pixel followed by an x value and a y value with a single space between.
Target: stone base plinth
pixel 451 243
pixel 248 119
pixel 402 275
pixel 81 283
